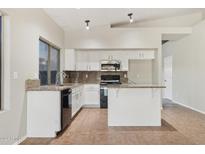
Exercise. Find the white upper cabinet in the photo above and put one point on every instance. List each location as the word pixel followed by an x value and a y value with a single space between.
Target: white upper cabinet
pixel 70 60
pixel 82 61
pixel 146 54
pixel 90 60
pixel 93 61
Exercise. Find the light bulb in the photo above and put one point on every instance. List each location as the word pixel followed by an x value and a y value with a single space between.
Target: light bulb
pixel 130 17
pixel 87 27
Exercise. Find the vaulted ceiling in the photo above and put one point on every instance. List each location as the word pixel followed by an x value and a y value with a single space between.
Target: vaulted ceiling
pixel 73 19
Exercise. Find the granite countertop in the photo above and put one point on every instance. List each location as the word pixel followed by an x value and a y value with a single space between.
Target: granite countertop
pixel 54 88
pixel 131 85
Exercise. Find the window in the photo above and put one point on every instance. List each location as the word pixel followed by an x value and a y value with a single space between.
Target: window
pixel 49 63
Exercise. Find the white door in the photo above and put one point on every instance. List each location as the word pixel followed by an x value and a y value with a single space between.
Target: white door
pixel 167 92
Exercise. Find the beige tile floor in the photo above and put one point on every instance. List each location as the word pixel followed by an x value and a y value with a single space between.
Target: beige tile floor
pixel 179 126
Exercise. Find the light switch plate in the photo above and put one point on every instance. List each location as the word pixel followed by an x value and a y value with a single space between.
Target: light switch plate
pixel 15 75
pixel 35 76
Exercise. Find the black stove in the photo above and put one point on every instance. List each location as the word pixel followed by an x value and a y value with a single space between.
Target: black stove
pixel 107 80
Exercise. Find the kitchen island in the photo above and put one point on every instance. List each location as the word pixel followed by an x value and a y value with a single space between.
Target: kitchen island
pixel 134 105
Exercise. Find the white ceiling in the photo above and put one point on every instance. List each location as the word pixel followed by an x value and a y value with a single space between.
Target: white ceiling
pixel 73 19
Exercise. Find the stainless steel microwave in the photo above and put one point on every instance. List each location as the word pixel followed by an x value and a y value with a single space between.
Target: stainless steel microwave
pixel 110 65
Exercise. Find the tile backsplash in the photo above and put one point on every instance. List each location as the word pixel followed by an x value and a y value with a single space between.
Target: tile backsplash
pixel 32 83
pixel 92 76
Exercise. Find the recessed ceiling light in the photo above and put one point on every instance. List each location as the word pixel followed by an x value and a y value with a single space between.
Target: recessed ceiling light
pixel 87 24
pixel 130 17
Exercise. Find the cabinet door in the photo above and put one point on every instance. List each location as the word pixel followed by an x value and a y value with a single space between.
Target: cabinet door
pixel 92 94
pixel 122 56
pixel 124 65
pixel 148 54
pixel 94 66
pixel 93 61
pixel 74 105
pixel 82 61
pixel 81 96
pixel 70 60
pixel 78 101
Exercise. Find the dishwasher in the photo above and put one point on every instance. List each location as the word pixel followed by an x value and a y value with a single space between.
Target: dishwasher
pixel 66 106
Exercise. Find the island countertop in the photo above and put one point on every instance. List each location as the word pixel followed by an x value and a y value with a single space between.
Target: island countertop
pixel 131 85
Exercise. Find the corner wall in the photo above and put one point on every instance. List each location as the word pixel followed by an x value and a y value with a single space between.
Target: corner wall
pixel 189 68
pixel 26 26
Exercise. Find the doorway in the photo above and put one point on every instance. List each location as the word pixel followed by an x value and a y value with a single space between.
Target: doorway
pixel 167 74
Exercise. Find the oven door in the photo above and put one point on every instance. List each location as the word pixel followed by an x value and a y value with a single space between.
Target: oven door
pixel 66 105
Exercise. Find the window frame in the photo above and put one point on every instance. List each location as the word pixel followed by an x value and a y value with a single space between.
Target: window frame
pixel 50 45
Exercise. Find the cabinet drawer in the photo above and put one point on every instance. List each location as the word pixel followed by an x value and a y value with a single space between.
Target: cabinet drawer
pixel 91 87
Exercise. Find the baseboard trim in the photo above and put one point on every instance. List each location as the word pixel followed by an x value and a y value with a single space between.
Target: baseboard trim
pixel 20 140
pixel 188 107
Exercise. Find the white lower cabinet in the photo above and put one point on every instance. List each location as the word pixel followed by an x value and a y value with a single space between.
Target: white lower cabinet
pixel 92 95
pixel 86 95
pixel 77 99
pixel 43 113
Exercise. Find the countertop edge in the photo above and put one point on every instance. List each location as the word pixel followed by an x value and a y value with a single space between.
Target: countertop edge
pixel 75 85
pixel 117 87
pixel 54 88
pixel 136 86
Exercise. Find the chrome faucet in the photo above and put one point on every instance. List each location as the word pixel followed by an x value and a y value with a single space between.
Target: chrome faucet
pixel 59 78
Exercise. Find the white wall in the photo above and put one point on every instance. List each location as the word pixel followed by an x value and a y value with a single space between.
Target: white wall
pixel 106 38
pixel 26 25
pixel 140 71
pixel 189 68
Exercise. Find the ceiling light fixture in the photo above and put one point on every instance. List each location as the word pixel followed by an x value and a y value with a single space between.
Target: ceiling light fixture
pixel 130 17
pixel 87 24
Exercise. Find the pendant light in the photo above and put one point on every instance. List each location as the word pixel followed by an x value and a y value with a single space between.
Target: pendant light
pixel 87 24
pixel 130 17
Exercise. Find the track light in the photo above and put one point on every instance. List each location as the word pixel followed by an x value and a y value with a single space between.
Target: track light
pixel 87 24
pixel 130 17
